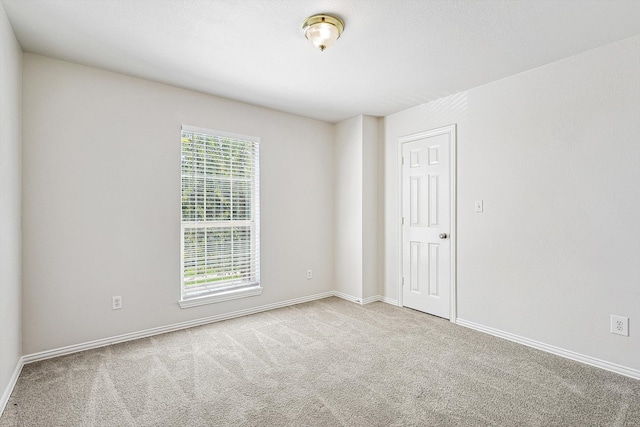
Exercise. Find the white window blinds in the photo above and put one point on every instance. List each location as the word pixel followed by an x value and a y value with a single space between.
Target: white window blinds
pixel 220 212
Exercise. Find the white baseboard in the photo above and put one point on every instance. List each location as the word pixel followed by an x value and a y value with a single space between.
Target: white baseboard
pixel 613 367
pixel 602 364
pixel 347 297
pixel 380 298
pixel 48 354
pixel 367 300
pixel 12 383
pixel 388 300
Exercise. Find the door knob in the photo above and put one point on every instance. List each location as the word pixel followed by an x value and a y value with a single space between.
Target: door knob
pixel 443 235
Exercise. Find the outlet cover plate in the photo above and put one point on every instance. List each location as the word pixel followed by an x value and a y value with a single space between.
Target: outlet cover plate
pixel 479 206
pixel 620 325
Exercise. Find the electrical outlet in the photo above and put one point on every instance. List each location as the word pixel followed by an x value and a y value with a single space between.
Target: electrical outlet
pixel 620 325
pixel 116 303
pixel 309 274
pixel 479 206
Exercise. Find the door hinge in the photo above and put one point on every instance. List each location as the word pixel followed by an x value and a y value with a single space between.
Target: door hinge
pixel 402 220
pixel 403 281
pixel 403 160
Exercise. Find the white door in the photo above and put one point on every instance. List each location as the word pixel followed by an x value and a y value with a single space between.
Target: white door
pixel 427 221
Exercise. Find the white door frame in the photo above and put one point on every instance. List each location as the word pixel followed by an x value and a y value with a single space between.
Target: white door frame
pixel 451 130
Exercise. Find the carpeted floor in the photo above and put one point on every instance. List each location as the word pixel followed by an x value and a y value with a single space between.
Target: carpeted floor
pixel 324 363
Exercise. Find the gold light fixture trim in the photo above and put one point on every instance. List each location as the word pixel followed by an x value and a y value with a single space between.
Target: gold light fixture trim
pixel 322 30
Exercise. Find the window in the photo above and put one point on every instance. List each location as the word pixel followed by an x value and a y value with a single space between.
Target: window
pixel 220 228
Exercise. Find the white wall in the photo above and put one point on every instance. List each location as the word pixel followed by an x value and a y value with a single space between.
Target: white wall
pixel 553 152
pixel 348 207
pixel 370 201
pixel 357 207
pixel 101 202
pixel 10 203
pixel 555 155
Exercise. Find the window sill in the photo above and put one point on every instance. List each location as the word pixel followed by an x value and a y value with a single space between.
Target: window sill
pixel 222 296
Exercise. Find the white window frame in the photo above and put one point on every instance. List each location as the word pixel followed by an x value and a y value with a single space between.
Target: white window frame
pixel 234 290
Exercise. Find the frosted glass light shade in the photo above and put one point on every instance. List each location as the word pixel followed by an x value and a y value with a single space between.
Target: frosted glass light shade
pixel 322 30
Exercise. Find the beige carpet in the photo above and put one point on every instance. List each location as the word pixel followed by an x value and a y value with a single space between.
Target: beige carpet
pixel 324 363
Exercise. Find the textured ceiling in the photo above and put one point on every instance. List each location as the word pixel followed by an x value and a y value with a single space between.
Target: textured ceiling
pixel 394 54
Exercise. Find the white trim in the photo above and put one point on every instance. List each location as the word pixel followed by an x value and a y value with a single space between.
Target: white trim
pixel 453 173
pixel 12 383
pixel 568 354
pixel 48 354
pixel 400 163
pixel 367 300
pixel 451 130
pixel 388 300
pixel 61 351
pixel 380 298
pixel 222 296
pixel 347 297
pixel 205 131
pixel 250 265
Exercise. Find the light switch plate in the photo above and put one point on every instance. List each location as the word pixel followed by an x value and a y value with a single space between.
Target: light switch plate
pixel 479 206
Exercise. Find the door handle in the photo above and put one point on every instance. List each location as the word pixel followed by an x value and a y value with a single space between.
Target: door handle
pixel 443 235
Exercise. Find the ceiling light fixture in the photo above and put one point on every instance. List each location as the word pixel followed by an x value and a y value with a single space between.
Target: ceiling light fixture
pixel 322 30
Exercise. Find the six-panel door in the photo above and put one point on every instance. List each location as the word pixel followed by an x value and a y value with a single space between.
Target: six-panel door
pixel 426 224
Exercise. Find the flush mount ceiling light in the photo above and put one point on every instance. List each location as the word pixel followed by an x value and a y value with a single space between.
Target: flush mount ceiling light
pixel 322 30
